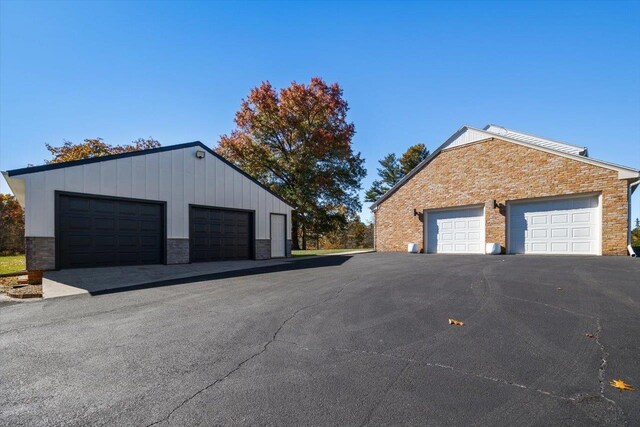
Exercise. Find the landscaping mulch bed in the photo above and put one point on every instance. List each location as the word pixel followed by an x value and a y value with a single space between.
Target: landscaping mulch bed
pixel 13 289
pixel 7 283
pixel 25 291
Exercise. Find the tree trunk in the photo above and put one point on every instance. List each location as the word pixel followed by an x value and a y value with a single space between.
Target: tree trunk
pixel 304 238
pixel 295 229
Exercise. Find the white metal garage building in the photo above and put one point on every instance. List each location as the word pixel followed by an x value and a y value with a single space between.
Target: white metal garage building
pixel 174 204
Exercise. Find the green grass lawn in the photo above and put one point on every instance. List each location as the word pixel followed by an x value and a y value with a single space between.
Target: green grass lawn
pixel 9 264
pixel 311 252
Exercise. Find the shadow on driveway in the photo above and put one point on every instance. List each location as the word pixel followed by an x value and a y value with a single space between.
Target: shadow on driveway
pixel 287 265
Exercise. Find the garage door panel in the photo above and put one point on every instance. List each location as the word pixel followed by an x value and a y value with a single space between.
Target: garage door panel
pixel 557 232
pixel 78 205
pixel 129 225
pixel 581 232
pixel 539 247
pixel 538 219
pixel 474 248
pixel 104 226
pixel 583 247
pixel 581 217
pixel 455 231
pixel 559 219
pixel 474 224
pixel 99 241
pixel 129 209
pixel 565 226
pixel 76 223
pixel 217 234
pixel 96 232
pixel 149 226
pixel 539 233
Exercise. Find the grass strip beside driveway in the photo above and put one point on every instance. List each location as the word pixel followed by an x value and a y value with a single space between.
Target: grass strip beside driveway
pixel 11 264
pixel 313 252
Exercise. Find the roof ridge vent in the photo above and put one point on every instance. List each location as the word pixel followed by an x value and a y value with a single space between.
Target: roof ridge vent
pixel 498 130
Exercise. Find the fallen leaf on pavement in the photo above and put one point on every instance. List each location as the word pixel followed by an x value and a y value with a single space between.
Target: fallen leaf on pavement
pixel 621 385
pixel 456 322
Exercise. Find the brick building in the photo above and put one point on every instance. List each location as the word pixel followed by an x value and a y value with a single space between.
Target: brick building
pixel 529 194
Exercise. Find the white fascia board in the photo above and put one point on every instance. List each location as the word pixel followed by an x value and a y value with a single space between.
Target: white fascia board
pixel 17 186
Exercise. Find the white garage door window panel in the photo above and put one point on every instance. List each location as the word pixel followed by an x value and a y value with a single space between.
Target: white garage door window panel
pixel 561 227
pixel 455 231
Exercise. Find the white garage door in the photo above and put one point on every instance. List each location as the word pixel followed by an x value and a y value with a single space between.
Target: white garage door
pixel 458 231
pixel 566 226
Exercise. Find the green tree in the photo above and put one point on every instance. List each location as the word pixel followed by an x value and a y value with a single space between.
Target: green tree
pixel 412 158
pixel 95 147
pixel 297 141
pixel 635 234
pixel 355 234
pixel 11 226
pixel 392 170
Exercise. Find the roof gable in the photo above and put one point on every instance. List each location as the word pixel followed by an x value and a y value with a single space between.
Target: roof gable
pixel 467 135
pixel 470 135
pixel 14 173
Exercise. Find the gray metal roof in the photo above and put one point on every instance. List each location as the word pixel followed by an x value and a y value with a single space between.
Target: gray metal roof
pixel 532 139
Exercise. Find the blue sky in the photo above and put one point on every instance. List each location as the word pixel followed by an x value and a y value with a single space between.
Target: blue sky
pixel 412 72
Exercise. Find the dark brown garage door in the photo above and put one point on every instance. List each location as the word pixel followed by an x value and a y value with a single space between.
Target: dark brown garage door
pixel 220 234
pixel 98 232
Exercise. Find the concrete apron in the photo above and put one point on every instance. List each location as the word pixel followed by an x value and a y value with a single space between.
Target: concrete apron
pixel 81 281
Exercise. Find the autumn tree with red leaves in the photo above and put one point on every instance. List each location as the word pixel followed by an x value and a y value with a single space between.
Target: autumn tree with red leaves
pixel 297 141
pixel 11 226
pixel 95 147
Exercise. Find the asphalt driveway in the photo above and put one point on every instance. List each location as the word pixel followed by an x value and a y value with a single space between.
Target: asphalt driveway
pixel 342 340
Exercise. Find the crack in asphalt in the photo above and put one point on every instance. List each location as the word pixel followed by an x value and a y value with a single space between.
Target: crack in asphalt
pixel 602 369
pixel 603 358
pixel 413 361
pixel 604 354
pixel 75 319
pixel 575 313
pixel 367 418
pixel 264 349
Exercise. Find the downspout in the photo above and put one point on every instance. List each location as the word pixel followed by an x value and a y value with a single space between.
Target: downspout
pixel 632 188
pixel 375 229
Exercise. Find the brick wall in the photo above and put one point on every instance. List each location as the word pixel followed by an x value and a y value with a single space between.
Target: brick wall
pixel 40 253
pixel 480 172
pixel 263 249
pixel 177 251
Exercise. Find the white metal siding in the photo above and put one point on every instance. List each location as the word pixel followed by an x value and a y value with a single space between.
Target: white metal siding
pixel 467 137
pixel 176 176
pixel 455 231
pixel 563 226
